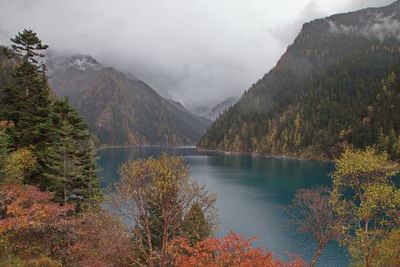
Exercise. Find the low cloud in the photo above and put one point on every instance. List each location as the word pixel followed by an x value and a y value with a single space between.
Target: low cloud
pixel 286 33
pixel 200 51
pixel 378 27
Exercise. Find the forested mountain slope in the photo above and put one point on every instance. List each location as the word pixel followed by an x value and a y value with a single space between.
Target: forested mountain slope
pixel 119 108
pixel 335 86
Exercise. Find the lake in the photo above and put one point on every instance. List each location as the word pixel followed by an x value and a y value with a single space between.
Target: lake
pixel 251 191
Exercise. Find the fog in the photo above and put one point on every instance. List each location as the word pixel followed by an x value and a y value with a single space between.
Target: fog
pixel 192 51
pixel 378 27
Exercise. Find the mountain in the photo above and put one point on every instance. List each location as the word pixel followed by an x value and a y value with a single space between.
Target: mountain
pixel 220 107
pixel 209 110
pixel 335 87
pixel 119 108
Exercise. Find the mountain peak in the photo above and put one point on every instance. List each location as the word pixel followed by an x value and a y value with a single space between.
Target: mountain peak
pixel 119 108
pixel 79 61
pixel 83 62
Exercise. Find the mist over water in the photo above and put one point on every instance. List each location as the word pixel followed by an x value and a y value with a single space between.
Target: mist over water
pixel 251 192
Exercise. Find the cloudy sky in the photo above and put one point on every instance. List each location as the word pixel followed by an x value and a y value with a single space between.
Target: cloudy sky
pixel 193 51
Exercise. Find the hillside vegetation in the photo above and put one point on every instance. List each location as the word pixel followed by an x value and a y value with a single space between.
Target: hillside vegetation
pixel 336 86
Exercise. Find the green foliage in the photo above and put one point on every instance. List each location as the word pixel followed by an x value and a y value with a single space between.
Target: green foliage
pixel 26 102
pixel 156 226
pixel 63 168
pixel 5 148
pixel 365 198
pixel 388 250
pixel 355 169
pixel 195 225
pixel 43 140
pixel 19 166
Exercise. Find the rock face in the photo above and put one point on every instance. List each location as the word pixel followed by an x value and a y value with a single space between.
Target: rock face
pixel 119 108
pixel 334 87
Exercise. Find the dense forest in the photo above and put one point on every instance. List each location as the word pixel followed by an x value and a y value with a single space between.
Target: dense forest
pixel 331 90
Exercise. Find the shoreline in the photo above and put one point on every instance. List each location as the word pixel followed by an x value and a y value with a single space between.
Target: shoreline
pixel 142 146
pixel 253 154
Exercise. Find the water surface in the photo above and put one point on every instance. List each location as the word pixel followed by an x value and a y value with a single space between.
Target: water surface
pixel 251 192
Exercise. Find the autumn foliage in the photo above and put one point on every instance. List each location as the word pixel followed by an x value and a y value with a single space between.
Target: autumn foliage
pixel 102 240
pixel 230 250
pixel 26 207
pixel 31 225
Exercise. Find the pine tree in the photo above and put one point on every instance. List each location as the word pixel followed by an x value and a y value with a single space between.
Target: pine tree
pixel 195 225
pixel 49 128
pixel 26 103
pixel 87 182
pixel 62 167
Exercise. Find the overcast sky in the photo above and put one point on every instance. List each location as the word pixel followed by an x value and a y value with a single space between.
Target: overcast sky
pixel 199 51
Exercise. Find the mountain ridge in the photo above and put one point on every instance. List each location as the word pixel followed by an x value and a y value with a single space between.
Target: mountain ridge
pixel 119 108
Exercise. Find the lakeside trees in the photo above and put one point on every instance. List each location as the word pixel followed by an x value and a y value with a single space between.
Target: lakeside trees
pixel 313 213
pixel 361 211
pixel 163 203
pixel 364 193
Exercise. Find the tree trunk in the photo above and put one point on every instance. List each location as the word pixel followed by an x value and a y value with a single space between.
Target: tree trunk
pixel 165 237
pixel 65 174
pixel 150 245
pixel 316 255
pixel 65 193
pixel 366 245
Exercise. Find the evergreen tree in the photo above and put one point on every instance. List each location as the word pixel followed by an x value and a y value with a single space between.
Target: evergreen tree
pixel 195 225
pixel 49 128
pixel 26 103
pixel 87 182
pixel 62 166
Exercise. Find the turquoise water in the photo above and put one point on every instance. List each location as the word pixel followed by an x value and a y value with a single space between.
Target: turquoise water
pixel 251 192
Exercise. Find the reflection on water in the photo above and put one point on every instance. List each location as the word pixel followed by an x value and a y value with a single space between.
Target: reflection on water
pixel 251 191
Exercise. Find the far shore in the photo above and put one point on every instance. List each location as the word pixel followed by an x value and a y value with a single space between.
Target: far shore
pixel 143 146
pixel 253 154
